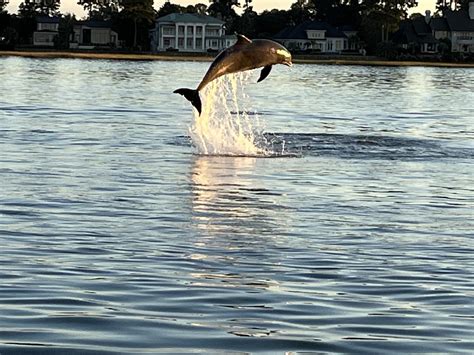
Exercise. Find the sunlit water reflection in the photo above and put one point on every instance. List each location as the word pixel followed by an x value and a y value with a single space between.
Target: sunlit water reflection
pixel 116 237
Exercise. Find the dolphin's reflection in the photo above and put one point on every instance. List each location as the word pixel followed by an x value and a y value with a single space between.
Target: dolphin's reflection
pixel 229 199
pixel 237 223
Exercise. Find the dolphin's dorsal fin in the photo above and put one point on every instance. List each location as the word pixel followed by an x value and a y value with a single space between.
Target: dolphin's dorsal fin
pixel 241 39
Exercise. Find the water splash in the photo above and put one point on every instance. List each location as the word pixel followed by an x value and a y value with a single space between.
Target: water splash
pixel 226 126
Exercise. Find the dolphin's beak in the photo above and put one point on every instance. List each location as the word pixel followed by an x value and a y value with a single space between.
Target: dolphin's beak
pixel 288 63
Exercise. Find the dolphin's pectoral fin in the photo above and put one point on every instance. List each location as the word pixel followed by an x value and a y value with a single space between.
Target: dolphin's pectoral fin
pixel 264 73
pixel 241 39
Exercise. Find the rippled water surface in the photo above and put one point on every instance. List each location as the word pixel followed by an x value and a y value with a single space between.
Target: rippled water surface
pixel 115 236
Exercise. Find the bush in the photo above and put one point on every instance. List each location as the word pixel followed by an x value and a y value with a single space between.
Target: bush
pixel 388 50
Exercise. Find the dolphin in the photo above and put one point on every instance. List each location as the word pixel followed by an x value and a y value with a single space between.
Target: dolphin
pixel 243 55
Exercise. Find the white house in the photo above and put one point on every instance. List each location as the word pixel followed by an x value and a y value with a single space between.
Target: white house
pixel 427 32
pixel 229 40
pixel 188 33
pixel 92 34
pixel 461 26
pixel 46 30
pixel 316 35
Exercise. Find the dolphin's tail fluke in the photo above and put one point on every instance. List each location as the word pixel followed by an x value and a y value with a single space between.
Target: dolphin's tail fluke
pixel 192 96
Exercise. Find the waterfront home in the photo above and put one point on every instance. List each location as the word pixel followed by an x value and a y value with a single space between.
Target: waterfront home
pixel 417 33
pixel 317 36
pixel 461 26
pixel 188 33
pixel 229 40
pixel 425 33
pixel 46 30
pixel 92 34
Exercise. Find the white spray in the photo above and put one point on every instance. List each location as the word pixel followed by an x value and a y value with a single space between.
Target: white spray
pixel 225 126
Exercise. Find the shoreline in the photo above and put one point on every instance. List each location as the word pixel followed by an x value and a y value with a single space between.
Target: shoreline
pixel 207 58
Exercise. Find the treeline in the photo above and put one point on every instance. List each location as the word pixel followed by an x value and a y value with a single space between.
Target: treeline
pixel 132 19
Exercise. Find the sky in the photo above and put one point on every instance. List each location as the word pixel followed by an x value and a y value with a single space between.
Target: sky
pixel 258 5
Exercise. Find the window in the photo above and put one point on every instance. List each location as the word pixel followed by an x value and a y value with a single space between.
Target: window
pixel 86 36
pixel 48 26
pixel 189 42
pixel 315 34
pixel 166 42
pixel 181 42
pixel 168 30
pixel 199 42
pixel 210 31
pixel 464 36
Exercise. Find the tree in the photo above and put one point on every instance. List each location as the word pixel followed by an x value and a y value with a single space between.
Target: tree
pixel 415 15
pixel 141 13
pixel 443 5
pixel 201 8
pixel 323 9
pixel 25 23
pixel 8 35
pixel 169 8
pixel 300 11
pixel 65 31
pixel 196 9
pixel 224 9
pixel 100 9
pixel 27 9
pixel 247 23
pixel 32 8
pixel 48 7
pixel 379 18
pixel 3 4
pixel 270 22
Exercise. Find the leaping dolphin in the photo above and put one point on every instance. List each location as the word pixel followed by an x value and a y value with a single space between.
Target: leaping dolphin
pixel 243 55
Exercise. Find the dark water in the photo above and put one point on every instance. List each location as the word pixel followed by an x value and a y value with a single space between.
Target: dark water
pixel 116 237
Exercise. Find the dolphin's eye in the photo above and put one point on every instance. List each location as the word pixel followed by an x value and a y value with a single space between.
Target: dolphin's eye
pixel 272 50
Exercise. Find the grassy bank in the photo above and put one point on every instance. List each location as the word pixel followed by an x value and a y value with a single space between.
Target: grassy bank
pixel 204 58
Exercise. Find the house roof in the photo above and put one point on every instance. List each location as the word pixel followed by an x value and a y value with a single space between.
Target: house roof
pixel 47 19
pixel 413 31
pixel 459 20
pixel 299 31
pixel 284 32
pixel 176 17
pixel 347 28
pixel 94 24
pixel 439 24
pixel 420 26
pixel 334 32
